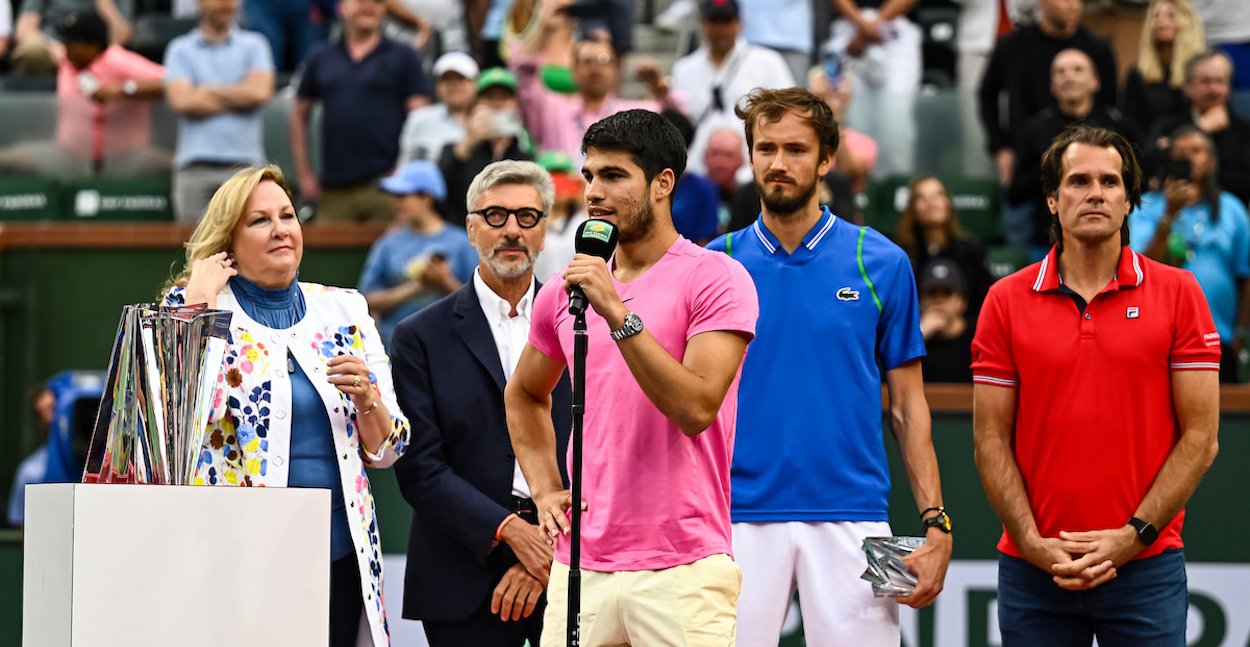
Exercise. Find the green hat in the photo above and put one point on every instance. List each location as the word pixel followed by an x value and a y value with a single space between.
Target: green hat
pixel 493 76
pixel 556 162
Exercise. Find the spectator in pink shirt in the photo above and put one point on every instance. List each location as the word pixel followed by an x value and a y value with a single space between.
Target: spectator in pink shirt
pixel 104 125
pixel 557 121
pixel 669 328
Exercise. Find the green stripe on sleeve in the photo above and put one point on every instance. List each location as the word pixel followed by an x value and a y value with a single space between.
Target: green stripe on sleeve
pixel 859 256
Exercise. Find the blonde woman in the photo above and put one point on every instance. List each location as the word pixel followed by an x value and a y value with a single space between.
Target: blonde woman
pixel 928 230
pixel 305 397
pixel 1171 35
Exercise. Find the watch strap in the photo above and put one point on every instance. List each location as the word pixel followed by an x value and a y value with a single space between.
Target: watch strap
pixel 941 521
pixel 1145 531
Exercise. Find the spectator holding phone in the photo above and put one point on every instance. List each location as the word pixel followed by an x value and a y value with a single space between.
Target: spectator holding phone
pixel 556 121
pixel 104 116
pixel 421 259
pixel 1195 225
pixel 1208 84
pixel 493 132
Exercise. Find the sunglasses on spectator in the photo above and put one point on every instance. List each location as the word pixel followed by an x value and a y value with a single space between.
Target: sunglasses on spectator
pixel 498 216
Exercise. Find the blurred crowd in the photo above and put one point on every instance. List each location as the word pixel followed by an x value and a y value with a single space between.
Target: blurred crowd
pixel 397 104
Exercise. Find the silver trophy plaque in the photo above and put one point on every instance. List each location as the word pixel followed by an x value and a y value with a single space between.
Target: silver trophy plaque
pixel 890 576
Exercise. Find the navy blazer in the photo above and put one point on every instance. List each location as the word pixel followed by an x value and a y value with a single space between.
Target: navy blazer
pixel 457 472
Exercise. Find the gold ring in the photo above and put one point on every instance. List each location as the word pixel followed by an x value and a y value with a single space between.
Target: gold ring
pixel 357 382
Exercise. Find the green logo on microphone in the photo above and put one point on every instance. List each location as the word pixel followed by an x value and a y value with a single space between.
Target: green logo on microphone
pixel 599 230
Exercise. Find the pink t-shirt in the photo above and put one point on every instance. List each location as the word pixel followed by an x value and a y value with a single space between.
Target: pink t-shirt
pixel 655 498
pixel 96 130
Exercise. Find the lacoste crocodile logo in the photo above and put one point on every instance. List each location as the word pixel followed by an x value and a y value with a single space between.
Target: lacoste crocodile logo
pixel 847 294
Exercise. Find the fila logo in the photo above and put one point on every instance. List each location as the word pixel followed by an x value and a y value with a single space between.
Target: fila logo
pixel 1132 313
pixel 847 294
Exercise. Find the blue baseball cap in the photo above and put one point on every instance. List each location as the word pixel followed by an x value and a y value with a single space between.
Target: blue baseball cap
pixel 417 176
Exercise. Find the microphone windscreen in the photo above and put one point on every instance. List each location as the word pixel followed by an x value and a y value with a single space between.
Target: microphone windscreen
pixel 596 238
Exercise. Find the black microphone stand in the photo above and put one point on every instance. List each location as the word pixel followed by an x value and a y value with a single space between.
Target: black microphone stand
pixel 575 479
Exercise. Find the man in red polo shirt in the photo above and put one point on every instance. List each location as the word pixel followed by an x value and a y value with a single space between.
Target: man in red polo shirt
pixel 1096 407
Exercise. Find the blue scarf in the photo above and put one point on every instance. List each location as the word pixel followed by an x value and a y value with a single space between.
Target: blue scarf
pixel 279 308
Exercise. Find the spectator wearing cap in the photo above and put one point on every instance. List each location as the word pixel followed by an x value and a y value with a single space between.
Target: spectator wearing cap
pixel 429 128
pixel 217 77
pixel 367 84
pixel 567 213
pixel 557 121
pixel 421 259
pixel 40 46
pixel 104 120
pixel 725 67
pixel 493 132
pixel 944 323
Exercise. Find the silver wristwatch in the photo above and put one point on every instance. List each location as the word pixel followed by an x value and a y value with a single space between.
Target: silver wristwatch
pixel 631 327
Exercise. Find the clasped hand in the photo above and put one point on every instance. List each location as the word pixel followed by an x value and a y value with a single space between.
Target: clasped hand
pixel 1083 560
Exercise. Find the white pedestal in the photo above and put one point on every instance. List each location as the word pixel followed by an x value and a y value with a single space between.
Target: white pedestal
pixel 156 565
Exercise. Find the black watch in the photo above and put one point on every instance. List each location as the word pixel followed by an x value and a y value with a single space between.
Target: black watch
pixel 941 521
pixel 1145 532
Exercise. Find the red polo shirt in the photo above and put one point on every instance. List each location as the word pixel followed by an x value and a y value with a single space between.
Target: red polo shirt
pixel 1095 419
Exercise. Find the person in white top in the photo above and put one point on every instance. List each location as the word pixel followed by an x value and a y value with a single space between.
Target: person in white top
pixel 725 67
pixel 477 567
pixel 430 128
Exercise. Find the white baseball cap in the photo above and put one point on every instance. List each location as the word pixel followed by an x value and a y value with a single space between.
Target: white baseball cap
pixel 457 62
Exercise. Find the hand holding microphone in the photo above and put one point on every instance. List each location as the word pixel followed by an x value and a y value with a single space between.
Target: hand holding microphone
pixel 587 278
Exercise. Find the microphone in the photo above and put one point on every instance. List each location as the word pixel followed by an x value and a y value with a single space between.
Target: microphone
pixel 596 238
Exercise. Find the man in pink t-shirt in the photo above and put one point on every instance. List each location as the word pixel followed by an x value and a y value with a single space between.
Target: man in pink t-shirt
pixel 104 120
pixel 668 328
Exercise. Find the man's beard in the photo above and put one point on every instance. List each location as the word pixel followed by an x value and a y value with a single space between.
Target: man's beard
pixel 778 204
pixel 639 224
pixel 506 270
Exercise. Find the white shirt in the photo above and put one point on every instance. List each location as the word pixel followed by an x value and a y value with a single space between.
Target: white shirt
pixel 511 334
pixel 1225 21
pixel 745 68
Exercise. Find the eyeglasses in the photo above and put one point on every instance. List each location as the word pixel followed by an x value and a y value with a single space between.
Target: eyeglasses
pixel 498 216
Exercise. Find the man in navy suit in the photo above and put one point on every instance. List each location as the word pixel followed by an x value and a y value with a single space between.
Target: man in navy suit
pixel 477 565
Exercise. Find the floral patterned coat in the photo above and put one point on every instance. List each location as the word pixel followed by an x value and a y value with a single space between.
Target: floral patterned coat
pixel 248 441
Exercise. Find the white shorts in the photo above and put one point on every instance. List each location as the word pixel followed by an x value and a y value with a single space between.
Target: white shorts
pixel 824 560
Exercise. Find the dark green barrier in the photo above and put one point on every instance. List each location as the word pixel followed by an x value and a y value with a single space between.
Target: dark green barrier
pixel 24 198
pixel 120 199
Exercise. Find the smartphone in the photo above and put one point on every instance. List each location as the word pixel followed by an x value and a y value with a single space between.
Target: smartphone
pixel 505 123
pixel 584 10
pixel 1181 169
